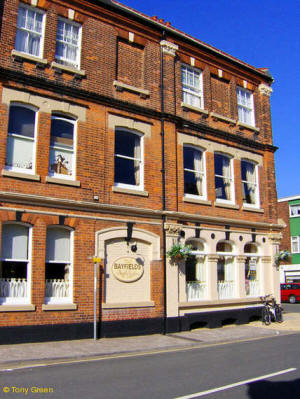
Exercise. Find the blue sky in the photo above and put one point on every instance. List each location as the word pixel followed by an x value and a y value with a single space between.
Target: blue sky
pixel 263 33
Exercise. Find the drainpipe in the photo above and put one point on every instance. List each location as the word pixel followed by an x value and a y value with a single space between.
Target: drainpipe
pixel 162 125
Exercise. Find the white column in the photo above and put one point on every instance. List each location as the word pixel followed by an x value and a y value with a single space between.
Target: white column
pixel 240 276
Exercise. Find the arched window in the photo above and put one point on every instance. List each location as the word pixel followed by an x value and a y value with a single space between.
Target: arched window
pixel 62 146
pixel 20 150
pixel 194 172
pixel 251 269
pixel 15 260
pixel 223 178
pixel 225 270
pixel 128 159
pixel 195 271
pixel 58 267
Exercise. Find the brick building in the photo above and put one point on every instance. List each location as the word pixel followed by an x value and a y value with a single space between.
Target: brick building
pixel 121 136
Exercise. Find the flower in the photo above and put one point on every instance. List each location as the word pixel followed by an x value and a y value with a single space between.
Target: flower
pixel 179 251
pixel 281 255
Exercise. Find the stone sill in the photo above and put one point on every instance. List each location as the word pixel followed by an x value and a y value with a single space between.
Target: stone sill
pixel 131 191
pixel 20 175
pixel 147 304
pixel 196 109
pixel 28 57
pixel 249 127
pixel 250 209
pixel 221 302
pixel 123 86
pixel 223 118
pixel 65 68
pixel 196 201
pixel 60 306
pixel 17 308
pixel 57 180
pixel 224 205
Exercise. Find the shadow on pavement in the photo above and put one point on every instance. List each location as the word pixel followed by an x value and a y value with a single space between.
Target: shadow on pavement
pixel 274 390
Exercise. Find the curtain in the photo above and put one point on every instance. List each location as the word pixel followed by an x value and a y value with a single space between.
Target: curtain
pixel 226 177
pixel 198 168
pixel 229 270
pixel 200 269
pixel 250 178
pixel 14 242
pixel 137 159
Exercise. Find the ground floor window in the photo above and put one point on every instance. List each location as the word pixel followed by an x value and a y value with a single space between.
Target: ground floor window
pixel 58 268
pixel 14 269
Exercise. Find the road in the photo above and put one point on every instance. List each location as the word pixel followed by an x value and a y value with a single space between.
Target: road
pixel 170 375
pixel 291 307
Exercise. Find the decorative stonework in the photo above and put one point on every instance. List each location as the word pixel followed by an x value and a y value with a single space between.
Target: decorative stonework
pixel 275 238
pixel 213 258
pixel 128 269
pixel 169 47
pixel 266 259
pixel 265 90
pixel 172 230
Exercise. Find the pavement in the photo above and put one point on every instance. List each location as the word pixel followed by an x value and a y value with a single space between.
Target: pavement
pixel 46 353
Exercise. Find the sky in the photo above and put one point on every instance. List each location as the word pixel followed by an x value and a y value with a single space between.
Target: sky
pixel 263 33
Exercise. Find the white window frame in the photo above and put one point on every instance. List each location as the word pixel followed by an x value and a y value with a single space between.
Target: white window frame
pixel 248 107
pixel 18 136
pixel 27 299
pixel 256 184
pixel 192 90
pixel 140 186
pixel 231 179
pixel 69 299
pixel 296 207
pixel 295 240
pixel 63 60
pixel 72 121
pixel 31 32
pixel 202 172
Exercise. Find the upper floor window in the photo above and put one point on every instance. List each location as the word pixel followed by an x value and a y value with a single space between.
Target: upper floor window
pixel 62 154
pixel 68 42
pixel 128 159
pixel 295 210
pixel 192 87
pixel 245 106
pixel 295 241
pixel 30 31
pixel 223 178
pixel 20 152
pixel 249 182
pixel 194 172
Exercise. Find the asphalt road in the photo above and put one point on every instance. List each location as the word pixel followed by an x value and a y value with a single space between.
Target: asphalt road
pixel 263 369
pixel 291 308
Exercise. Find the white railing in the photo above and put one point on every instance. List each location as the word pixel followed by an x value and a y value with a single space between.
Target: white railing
pixel 225 289
pixel 253 288
pixel 13 287
pixel 57 288
pixel 195 291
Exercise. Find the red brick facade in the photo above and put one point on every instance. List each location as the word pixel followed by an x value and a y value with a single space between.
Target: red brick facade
pixel 119 79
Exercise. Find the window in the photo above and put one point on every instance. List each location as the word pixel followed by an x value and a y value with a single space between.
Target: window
pixel 295 240
pixel 128 159
pixel 223 178
pixel 194 174
pixel 20 153
pixel 68 41
pixel 295 210
pixel 30 31
pixel 225 270
pixel 252 287
pixel 192 91
pixel 62 154
pixel 14 269
pixel 58 265
pixel 249 182
pixel 245 106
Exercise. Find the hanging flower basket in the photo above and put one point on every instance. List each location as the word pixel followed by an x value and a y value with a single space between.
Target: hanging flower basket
pixel 179 252
pixel 282 255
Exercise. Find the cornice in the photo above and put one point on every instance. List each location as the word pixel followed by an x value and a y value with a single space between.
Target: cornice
pixel 37 82
pixel 86 206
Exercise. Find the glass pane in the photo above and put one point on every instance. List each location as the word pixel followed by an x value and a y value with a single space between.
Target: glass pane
pixel 21 121
pixel 19 153
pixel 60 161
pixel 220 188
pixel 190 269
pixel 124 171
pixel 14 270
pixel 14 242
pixel 58 245
pixel 55 271
pixel 190 183
pixel 62 132
pixel 221 270
pixel 125 143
